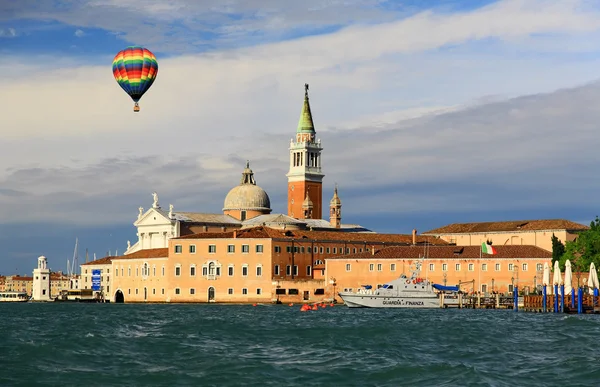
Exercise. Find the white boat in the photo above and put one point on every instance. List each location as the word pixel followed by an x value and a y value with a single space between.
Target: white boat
pixel 403 292
pixel 10 296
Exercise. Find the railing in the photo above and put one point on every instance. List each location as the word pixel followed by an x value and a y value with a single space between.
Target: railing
pixel 536 303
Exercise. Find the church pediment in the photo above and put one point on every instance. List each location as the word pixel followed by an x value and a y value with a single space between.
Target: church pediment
pixel 153 217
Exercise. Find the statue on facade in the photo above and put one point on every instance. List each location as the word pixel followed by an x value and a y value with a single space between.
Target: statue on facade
pixel 155 197
pixel 170 210
pixel 306 89
pixel 141 211
pixel 128 245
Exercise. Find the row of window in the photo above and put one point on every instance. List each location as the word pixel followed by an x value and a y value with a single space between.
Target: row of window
pixel 484 267
pixel 214 269
pixel 210 269
pixel 162 291
pixel 145 269
pixel 212 249
pixel 101 271
pixel 457 267
pixel 484 288
pixel 321 250
pixel 229 291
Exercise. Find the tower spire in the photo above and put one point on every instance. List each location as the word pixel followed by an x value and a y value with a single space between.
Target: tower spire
pixel 307 205
pixel 305 124
pixel 335 209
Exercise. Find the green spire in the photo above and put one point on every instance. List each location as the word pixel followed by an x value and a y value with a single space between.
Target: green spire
pixel 305 124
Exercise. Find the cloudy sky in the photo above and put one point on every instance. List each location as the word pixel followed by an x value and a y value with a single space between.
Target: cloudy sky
pixel 430 112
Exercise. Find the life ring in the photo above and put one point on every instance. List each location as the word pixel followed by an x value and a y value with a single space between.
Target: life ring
pixel 407 281
pixel 414 281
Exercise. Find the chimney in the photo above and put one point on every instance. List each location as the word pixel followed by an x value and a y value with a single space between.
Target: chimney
pixel 372 250
pixel 414 235
pixel 234 234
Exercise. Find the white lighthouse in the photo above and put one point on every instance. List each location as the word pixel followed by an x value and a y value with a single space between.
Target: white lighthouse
pixel 41 281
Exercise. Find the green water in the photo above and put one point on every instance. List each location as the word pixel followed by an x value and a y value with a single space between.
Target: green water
pixel 269 345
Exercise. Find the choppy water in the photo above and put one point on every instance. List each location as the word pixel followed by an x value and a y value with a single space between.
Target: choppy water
pixel 221 345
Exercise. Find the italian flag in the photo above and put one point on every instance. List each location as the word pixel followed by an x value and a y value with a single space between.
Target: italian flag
pixel 488 249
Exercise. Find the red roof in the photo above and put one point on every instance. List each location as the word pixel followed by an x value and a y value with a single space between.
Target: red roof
pixel 450 252
pixel 147 253
pixel 509 226
pixel 262 232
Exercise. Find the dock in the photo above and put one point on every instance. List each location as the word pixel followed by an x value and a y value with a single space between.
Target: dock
pixel 576 302
pixel 494 301
pixel 559 304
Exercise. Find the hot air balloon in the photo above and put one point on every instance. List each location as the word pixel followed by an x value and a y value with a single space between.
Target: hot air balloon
pixel 135 69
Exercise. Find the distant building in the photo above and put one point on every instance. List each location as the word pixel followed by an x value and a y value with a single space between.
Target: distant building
pixel 41 281
pixel 142 277
pixel 516 232
pixel 513 265
pixel 103 266
pixel 243 265
pixel 17 283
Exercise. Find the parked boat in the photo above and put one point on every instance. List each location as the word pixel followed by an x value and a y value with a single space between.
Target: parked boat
pixel 76 295
pixel 11 296
pixel 404 292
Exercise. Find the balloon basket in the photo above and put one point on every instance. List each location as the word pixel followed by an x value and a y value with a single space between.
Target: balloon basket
pixel 136 108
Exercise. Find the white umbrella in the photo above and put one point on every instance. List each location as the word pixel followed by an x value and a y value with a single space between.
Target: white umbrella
pixel 568 277
pixel 556 278
pixel 546 276
pixel 593 279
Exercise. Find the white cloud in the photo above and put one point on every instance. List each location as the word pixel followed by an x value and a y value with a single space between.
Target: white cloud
pixel 8 33
pixel 79 33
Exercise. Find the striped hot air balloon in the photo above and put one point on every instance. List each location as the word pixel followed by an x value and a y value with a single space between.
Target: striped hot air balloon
pixel 135 69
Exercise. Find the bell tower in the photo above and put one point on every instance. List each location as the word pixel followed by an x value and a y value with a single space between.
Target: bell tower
pixel 335 210
pixel 305 179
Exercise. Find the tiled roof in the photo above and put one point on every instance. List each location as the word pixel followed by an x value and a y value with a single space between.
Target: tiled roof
pixel 513 225
pixel 282 219
pixel 147 253
pixel 271 218
pixel 441 252
pixel 198 217
pixel 59 276
pixel 266 232
pixel 100 261
pixel 324 224
pixel 19 278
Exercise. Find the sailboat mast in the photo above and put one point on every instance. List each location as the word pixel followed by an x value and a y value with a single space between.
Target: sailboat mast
pixel 75 257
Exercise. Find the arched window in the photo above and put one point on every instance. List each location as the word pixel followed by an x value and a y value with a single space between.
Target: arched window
pixel 211 268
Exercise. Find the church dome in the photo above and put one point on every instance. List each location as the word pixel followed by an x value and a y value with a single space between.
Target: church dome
pixel 247 196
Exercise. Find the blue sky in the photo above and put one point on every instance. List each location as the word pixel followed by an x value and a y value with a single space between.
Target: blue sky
pixel 430 112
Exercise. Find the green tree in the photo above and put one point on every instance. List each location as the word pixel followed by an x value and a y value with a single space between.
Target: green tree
pixel 558 249
pixel 583 250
